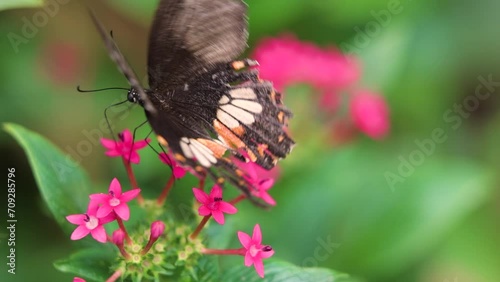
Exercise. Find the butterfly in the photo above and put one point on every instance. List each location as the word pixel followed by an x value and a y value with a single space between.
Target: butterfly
pixel 203 103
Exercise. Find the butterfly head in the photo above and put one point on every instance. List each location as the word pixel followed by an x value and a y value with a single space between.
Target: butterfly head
pixel 134 97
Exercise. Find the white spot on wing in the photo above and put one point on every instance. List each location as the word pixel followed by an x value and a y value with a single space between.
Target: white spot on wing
pixel 226 119
pixel 185 148
pixel 239 114
pixel 224 100
pixel 207 153
pixel 249 106
pixel 243 93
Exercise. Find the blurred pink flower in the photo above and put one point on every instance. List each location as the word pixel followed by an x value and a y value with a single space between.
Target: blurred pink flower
pixel 286 60
pixel 78 279
pixel 177 169
pixel 89 223
pixel 61 61
pixel 370 113
pixel 125 147
pixel 114 200
pixel 213 204
pixel 260 179
pixel 255 251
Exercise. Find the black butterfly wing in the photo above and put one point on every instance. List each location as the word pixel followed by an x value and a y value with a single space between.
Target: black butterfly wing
pixel 190 36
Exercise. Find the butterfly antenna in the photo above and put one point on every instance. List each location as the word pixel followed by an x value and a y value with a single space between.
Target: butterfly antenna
pixel 101 89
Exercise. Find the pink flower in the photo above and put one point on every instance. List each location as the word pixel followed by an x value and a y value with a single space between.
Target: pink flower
pixel 157 229
pixel 114 200
pixel 259 179
pixel 90 223
pixel 125 147
pixel 118 237
pixel 78 279
pixel 177 169
pixel 213 204
pixel 286 60
pixel 370 114
pixel 255 251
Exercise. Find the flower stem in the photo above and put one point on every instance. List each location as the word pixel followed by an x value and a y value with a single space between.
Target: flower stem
pixel 200 226
pixel 240 252
pixel 122 227
pixel 115 276
pixel 132 179
pixel 202 182
pixel 238 199
pixel 165 191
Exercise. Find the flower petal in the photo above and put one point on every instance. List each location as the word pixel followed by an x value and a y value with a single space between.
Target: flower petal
pixel 245 239
pixel 140 144
pixel 204 211
pixel 134 157
pixel 216 192
pixel 127 137
pixel 103 211
pixel 201 196
pixel 259 267
pixel 115 188
pixel 267 254
pixel 218 216
pixel 257 235
pixel 179 172
pixel 99 199
pixel 80 232
pixel 248 259
pixel 129 195
pixel 267 198
pixel 266 184
pixel 76 218
pixel 108 143
pixel 227 208
pixel 122 211
pixel 99 234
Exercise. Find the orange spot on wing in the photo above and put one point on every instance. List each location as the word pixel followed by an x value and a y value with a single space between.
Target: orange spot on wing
pixel 179 157
pixel 162 140
pixel 229 137
pixel 237 65
pixel 215 147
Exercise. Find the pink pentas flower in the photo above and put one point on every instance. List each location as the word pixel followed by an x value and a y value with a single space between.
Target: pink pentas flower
pixel 89 223
pixel 115 201
pixel 177 169
pixel 370 113
pixel 213 204
pixel 125 147
pixel 260 179
pixel 286 60
pixel 255 251
pixel 78 279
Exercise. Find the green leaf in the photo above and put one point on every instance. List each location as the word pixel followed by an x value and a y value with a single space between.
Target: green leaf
pixel 63 184
pixel 277 270
pixel 17 4
pixel 91 263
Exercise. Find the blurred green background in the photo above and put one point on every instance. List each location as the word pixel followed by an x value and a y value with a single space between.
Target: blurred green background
pixel 439 223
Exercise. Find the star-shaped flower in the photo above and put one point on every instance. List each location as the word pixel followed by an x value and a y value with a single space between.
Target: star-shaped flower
pixel 259 179
pixel 255 251
pixel 114 201
pixel 90 223
pixel 213 204
pixel 125 147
